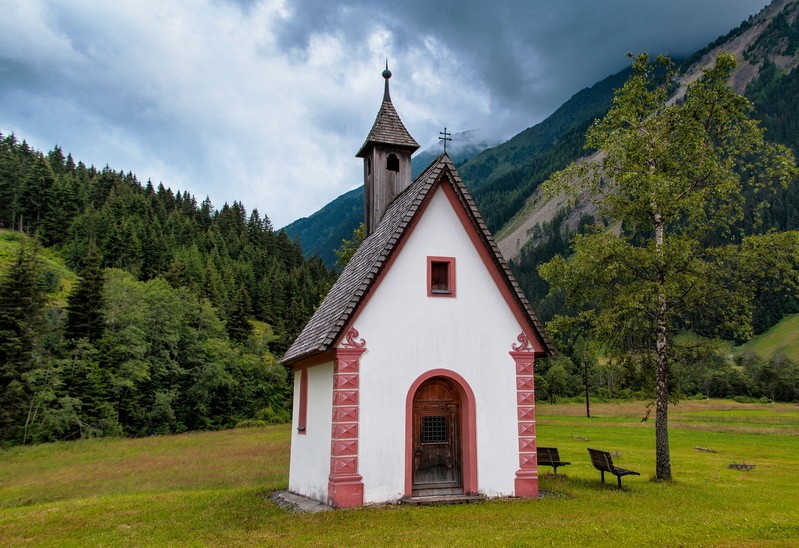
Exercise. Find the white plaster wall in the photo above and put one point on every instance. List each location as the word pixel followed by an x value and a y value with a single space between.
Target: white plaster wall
pixel 310 452
pixel 408 333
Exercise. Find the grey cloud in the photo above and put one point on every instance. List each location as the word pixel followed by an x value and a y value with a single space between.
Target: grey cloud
pixel 530 55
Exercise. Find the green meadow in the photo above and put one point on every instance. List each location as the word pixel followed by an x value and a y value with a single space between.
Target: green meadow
pixel 781 339
pixel 214 489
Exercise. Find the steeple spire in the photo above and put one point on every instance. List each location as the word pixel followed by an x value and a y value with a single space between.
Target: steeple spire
pixel 386 160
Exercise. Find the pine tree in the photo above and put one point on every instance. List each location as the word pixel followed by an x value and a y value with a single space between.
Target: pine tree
pixel 85 304
pixel 22 304
pixel 238 324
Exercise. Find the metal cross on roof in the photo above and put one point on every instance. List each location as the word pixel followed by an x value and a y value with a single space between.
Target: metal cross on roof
pixel 444 136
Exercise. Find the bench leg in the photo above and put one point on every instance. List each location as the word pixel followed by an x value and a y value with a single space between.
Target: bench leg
pixel 603 475
pixel 619 477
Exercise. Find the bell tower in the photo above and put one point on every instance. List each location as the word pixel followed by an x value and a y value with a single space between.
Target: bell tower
pixel 386 160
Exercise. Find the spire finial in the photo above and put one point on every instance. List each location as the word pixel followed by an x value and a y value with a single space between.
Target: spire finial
pixel 386 75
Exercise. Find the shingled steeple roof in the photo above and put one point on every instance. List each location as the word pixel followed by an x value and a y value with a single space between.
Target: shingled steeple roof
pixel 388 129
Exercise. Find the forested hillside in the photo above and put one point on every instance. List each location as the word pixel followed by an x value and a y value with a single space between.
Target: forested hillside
pixel 175 320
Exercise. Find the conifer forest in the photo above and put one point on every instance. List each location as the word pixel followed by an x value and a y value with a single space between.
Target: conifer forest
pixel 129 309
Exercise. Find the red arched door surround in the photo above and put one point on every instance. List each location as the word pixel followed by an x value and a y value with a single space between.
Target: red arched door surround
pixel 440 435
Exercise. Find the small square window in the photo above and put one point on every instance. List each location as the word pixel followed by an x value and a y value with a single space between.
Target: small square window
pixel 440 276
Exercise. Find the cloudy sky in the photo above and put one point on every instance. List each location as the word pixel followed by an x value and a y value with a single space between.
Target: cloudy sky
pixel 267 101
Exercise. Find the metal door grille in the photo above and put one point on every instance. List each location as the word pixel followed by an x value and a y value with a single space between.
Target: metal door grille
pixel 434 429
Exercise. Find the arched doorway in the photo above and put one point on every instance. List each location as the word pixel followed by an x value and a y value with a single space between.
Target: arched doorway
pixel 437 467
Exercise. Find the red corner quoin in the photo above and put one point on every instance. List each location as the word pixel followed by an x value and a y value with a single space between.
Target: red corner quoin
pixel 526 484
pixel 345 485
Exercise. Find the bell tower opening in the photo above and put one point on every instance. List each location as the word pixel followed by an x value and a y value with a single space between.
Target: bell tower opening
pixel 392 163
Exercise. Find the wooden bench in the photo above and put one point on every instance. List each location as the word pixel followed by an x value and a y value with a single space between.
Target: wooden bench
pixel 604 463
pixel 548 456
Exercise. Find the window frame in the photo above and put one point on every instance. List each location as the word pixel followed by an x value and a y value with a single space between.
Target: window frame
pixel 451 291
pixel 302 415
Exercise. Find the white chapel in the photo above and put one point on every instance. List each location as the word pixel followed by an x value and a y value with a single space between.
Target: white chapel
pixel 414 378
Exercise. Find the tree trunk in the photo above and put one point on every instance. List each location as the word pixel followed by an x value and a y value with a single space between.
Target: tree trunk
pixel 587 400
pixel 662 457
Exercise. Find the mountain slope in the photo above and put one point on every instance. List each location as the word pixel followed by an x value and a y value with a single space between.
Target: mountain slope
pixel 781 339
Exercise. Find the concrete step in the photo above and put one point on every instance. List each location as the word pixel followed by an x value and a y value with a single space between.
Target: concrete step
pixel 438 500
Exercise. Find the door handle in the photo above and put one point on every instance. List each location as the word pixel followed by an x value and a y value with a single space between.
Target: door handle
pixel 418 451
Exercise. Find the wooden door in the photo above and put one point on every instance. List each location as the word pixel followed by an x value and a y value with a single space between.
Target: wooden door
pixel 436 439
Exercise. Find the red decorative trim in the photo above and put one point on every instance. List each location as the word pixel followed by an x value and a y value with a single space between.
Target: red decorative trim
pixel 347 381
pixel 524 344
pixel 345 397
pixel 302 418
pixel 468 429
pixel 347 447
pixel 526 445
pixel 345 485
pixel 523 354
pixel 344 414
pixel 451 291
pixel 345 431
pixel 350 339
pixel 524 383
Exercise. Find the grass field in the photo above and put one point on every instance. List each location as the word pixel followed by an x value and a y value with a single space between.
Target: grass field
pixel 213 489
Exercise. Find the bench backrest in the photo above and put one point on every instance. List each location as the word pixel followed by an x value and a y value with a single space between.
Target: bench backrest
pixel 601 460
pixel 548 454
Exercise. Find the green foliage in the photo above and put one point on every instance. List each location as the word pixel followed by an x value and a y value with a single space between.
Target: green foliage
pixel 154 232
pixel 158 334
pixel 22 299
pixel 348 247
pixel 238 324
pixel 85 303
pixel 170 365
pixel 674 175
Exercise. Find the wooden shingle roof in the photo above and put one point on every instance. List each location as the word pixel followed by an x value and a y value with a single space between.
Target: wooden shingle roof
pixel 326 326
pixel 388 129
